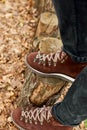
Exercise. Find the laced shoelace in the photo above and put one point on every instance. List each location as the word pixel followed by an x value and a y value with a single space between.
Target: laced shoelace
pixel 36 115
pixel 50 59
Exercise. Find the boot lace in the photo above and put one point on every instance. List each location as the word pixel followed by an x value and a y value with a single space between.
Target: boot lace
pixel 50 59
pixel 36 115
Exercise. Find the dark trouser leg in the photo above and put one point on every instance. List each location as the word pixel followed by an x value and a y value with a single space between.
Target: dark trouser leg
pixel 73 109
pixel 72 15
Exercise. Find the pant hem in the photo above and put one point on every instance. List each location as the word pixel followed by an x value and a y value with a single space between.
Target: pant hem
pixel 76 58
pixel 58 118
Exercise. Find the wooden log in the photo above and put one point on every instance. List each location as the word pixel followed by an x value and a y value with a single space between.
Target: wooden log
pixel 44 5
pixel 48 25
pixel 39 91
pixel 50 45
pixel 47 88
pixel 46 44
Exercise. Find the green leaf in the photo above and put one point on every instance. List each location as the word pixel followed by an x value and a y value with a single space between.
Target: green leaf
pixel 85 123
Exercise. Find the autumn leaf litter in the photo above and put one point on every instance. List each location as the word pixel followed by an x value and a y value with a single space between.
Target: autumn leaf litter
pixel 18 21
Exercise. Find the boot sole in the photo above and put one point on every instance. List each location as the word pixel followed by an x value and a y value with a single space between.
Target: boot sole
pixel 57 75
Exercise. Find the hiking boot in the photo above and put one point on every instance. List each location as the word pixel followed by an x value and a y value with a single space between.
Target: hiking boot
pixel 57 64
pixel 34 118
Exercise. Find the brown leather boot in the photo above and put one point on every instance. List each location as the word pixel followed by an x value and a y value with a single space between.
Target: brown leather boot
pixel 57 64
pixel 34 118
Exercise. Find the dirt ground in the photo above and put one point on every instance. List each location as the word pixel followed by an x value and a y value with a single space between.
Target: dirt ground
pixel 18 21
